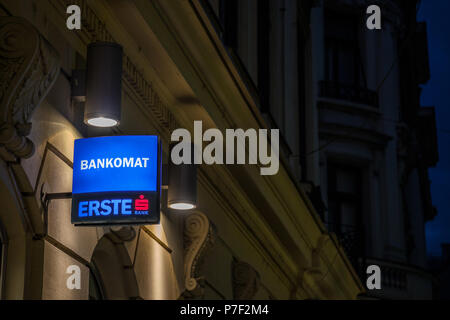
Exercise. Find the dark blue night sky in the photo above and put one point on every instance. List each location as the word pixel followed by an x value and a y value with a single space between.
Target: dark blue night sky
pixel 437 93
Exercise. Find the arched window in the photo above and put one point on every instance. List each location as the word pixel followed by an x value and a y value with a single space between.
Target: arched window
pixel 109 278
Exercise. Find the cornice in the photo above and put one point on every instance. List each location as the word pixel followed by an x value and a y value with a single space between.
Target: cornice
pixel 348 133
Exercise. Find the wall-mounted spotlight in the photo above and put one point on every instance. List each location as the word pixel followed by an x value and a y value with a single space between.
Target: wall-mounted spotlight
pixel 103 84
pixel 182 189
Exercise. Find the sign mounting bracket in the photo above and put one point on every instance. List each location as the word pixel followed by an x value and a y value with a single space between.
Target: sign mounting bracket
pixel 46 198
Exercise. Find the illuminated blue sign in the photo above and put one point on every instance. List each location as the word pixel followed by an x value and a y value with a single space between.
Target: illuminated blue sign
pixel 116 180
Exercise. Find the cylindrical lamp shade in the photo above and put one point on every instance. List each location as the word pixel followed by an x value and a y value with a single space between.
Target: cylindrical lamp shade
pixel 103 84
pixel 182 188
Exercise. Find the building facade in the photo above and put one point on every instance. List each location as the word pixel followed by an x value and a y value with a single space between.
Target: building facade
pixel 352 188
pixel 375 140
pixel 251 236
pixel 347 102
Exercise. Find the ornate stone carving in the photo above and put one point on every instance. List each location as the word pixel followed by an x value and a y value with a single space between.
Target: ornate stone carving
pixel 198 237
pixel 29 67
pixel 246 280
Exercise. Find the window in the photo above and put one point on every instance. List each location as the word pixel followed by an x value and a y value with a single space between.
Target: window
pixel 345 77
pixel 235 21
pixel 345 209
pixel 223 14
pixel 342 52
pixel 344 197
pixel 228 18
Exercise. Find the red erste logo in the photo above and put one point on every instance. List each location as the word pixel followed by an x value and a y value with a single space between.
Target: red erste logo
pixel 141 204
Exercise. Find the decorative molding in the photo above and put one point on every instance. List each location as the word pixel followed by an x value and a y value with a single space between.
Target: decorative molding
pixel 29 66
pixel 246 280
pixel 198 238
pixel 347 133
pixel 94 29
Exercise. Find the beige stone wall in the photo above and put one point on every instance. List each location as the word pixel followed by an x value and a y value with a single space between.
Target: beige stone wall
pixel 158 263
pixel 55 276
pixel 159 271
pixel 47 169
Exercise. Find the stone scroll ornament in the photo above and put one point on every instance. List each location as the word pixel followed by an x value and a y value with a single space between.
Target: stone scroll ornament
pixel 29 67
pixel 246 280
pixel 198 238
